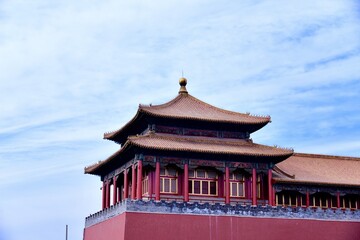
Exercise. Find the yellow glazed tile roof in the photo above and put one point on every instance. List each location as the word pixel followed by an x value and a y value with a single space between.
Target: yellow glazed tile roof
pixel 319 169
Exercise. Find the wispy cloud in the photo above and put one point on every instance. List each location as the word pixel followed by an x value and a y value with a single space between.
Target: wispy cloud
pixel 71 70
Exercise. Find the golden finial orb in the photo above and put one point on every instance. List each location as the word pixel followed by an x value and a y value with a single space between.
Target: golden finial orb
pixel 182 82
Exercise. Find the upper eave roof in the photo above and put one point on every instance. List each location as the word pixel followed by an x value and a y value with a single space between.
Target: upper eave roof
pixel 319 169
pixel 187 107
pixel 166 142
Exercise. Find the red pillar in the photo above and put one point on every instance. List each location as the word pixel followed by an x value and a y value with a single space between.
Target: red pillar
pixel 338 200
pixel 254 190
pixel 139 181
pixel 104 195
pixel 115 199
pixel 107 194
pixel 307 199
pixel 126 185
pixel 227 185
pixel 270 188
pixel 133 182
pixel 186 182
pixel 157 182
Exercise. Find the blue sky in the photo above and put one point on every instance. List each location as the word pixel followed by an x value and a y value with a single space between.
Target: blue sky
pixel 72 70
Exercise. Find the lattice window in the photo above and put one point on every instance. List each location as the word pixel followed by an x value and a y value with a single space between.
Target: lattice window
pixel 259 186
pixel 237 185
pixel 145 183
pixel 322 200
pixel 349 201
pixel 203 182
pixel 288 198
pixel 168 180
pixel 303 200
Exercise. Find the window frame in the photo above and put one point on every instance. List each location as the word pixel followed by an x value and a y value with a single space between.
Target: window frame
pixel 348 201
pixel 194 177
pixel 145 184
pixel 234 181
pixel 172 179
pixel 288 198
pixel 321 198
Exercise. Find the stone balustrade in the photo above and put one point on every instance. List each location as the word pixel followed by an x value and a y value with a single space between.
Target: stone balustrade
pixel 218 209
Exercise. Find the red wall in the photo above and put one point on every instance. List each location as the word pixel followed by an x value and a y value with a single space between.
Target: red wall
pixel 175 226
pixel 114 228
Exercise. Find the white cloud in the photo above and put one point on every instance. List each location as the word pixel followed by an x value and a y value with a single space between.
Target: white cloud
pixel 70 71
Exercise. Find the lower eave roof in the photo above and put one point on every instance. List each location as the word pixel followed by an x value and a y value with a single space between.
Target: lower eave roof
pixel 207 145
pixel 167 142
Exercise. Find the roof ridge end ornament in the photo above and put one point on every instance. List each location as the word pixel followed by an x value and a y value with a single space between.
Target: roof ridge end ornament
pixel 183 82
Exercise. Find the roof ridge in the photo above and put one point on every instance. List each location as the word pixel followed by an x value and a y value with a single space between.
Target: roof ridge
pixel 87 169
pixel 227 111
pixel 108 135
pixel 276 147
pixel 279 170
pixel 334 157
pixel 172 101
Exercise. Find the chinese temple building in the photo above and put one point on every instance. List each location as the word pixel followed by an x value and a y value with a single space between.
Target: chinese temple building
pixel 188 170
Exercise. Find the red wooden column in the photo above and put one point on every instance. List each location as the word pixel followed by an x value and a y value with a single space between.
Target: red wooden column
pixel 254 190
pixel 115 195
pixel 139 181
pixel 107 194
pixel 104 195
pixel 227 185
pixel 186 182
pixel 307 199
pixel 270 187
pixel 338 200
pixel 157 181
pixel 133 182
pixel 126 184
